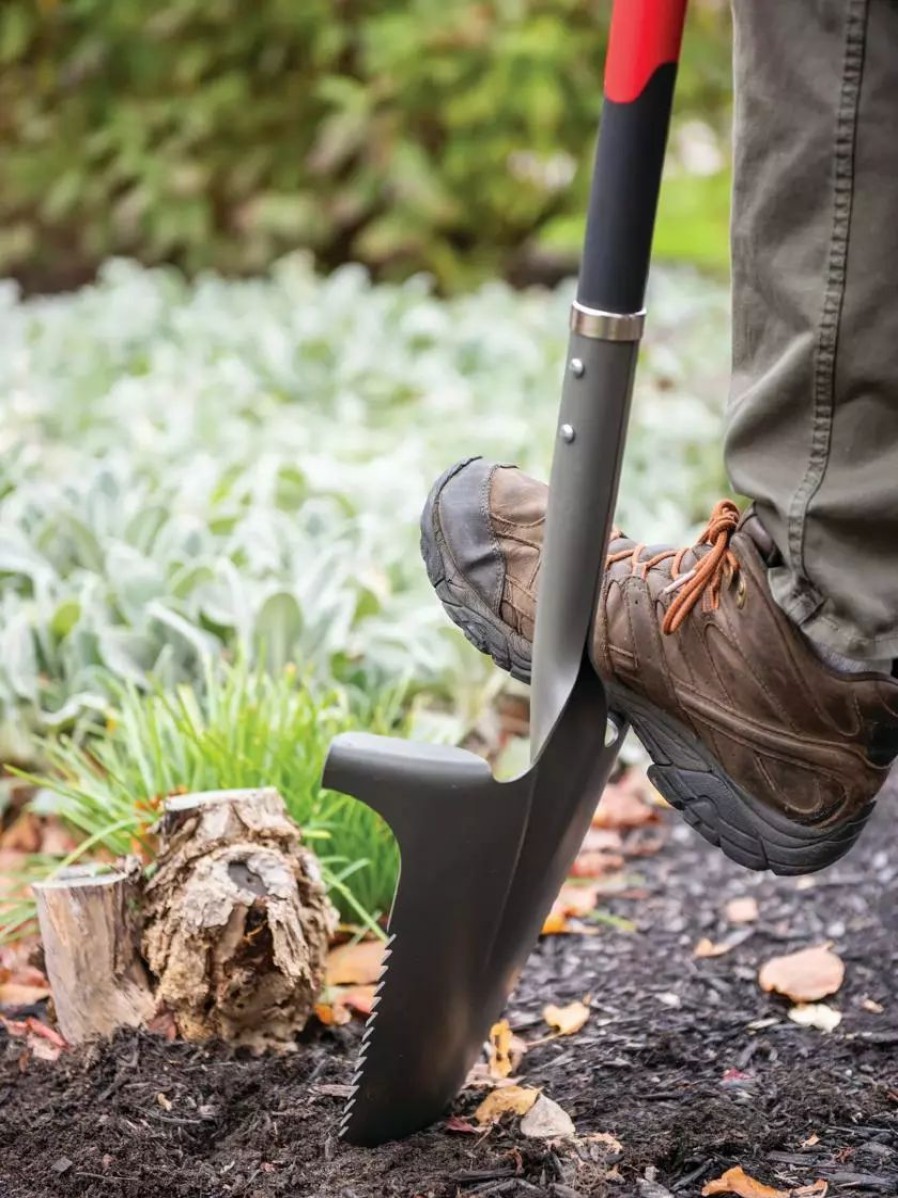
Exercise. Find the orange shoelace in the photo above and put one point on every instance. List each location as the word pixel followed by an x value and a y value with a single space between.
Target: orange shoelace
pixel 720 565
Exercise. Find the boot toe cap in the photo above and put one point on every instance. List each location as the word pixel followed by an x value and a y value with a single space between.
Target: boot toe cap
pixel 457 534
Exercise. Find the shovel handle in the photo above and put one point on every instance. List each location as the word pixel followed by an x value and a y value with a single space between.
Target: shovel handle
pixel 606 325
pixel 645 35
pixel 640 71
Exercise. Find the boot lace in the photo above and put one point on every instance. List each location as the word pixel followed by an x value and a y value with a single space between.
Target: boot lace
pixel 707 577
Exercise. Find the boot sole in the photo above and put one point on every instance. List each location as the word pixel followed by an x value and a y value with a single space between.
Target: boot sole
pixel 683 771
pixel 748 832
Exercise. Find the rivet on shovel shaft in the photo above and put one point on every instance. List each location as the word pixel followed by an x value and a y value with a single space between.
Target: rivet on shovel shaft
pixel 566 432
pixel 577 368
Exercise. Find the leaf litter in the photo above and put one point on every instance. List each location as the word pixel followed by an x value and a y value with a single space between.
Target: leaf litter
pixel 738 1183
pixel 804 976
pixel 706 948
pixel 742 910
pixel 505 1100
pixel 546 1120
pixel 817 1015
pixel 568 1019
pixel 627 807
pixel 353 970
pixel 505 1050
pixel 355 964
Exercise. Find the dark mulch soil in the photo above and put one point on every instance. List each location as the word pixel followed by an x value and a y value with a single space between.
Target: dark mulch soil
pixel 685 1061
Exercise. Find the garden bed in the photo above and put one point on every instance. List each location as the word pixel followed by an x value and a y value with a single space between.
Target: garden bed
pixel 684 1061
pixel 262 498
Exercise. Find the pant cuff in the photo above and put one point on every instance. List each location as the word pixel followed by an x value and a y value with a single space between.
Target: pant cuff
pixel 814 615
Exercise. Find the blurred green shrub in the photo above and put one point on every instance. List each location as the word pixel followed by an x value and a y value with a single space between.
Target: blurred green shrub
pixel 451 137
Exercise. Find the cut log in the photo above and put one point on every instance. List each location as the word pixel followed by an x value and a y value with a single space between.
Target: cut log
pixel 236 919
pixel 90 938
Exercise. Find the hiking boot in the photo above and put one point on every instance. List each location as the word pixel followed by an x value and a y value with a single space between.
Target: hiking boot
pixel 766 750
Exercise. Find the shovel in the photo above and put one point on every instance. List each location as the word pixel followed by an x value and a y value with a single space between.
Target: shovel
pixel 482 860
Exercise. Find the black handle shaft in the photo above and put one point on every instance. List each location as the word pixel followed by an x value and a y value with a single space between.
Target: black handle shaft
pixel 624 197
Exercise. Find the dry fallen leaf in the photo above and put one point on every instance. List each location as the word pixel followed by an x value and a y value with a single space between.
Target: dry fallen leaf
pixel 500 1049
pixel 621 807
pixel 18 994
pixel 707 948
pixel 359 999
pixel 50 1034
pixel 742 910
pixel 546 1120
pixel 602 840
pixel 737 1182
pixel 23 834
pixel 42 1041
pixel 875 1008
pixel 805 976
pixel 338 1004
pixel 811 1141
pixel 507 1100
pixel 566 1020
pixel 592 864
pixel 461 1126
pixel 816 1014
pixel 42 1050
pixel 505 1049
pixel 576 900
pixel 355 964
pixel 19 970
pixel 331 1015
pixel 163 1024
pixel 555 924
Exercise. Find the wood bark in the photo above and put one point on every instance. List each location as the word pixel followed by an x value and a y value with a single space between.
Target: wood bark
pixel 90 938
pixel 236 919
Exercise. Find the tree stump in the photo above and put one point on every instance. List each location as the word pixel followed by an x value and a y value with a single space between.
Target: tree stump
pixel 90 938
pixel 236 919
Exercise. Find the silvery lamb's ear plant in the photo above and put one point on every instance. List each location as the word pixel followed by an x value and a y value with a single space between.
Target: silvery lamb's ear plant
pixel 238 467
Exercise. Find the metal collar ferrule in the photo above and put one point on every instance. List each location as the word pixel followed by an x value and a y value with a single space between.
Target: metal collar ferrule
pixel 606 326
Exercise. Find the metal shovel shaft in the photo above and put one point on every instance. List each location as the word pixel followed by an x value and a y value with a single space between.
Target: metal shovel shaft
pixel 585 472
pixel 606 326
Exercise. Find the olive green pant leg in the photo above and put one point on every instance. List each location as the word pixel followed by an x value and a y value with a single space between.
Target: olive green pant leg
pixel 812 432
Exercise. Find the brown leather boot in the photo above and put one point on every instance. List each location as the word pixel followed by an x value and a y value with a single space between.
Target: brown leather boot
pixel 767 752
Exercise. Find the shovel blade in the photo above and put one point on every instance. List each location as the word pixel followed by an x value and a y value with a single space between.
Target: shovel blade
pixel 444 808
pixel 481 863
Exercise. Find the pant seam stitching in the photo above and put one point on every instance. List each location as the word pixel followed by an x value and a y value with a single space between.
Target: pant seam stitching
pixel 826 348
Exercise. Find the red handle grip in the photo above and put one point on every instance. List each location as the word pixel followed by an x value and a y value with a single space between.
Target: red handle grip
pixel 645 34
